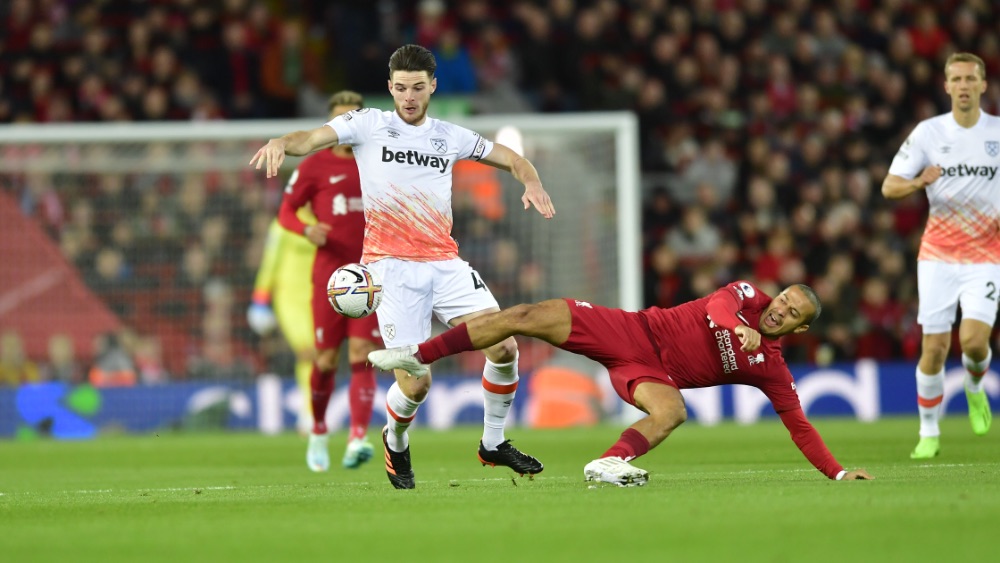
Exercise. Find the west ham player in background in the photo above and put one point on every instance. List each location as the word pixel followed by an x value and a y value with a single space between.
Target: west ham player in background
pixel 954 158
pixel 406 161
pixel 328 182
pixel 730 337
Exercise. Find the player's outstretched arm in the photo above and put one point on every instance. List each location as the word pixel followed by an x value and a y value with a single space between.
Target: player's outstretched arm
pixel 896 187
pixel 297 143
pixel 523 170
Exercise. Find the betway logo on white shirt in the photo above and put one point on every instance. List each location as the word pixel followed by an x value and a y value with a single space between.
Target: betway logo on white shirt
pixel 963 225
pixel 406 181
pixel 412 158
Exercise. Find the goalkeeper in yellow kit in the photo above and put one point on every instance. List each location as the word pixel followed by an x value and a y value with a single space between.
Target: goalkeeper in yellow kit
pixel 282 294
pixel 328 184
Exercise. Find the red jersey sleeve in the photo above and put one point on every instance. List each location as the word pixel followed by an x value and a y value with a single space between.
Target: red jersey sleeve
pixel 299 192
pixel 289 220
pixel 727 301
pixel 810 443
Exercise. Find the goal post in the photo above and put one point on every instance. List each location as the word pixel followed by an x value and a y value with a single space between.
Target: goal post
pixel 186 194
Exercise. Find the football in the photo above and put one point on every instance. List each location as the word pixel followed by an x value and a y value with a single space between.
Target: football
pixel 354 291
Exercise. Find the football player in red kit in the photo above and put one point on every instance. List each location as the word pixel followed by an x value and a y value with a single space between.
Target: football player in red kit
pixel 328 181
pixel 729 337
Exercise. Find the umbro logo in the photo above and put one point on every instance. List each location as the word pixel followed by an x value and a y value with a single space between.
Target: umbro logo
pixel 393 133
pixel 945 149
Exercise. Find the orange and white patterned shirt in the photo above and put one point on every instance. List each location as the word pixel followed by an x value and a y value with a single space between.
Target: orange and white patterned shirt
pixel 963 225
pixel 406 174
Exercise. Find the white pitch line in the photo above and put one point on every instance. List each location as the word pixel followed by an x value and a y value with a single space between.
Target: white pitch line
pixel 665 474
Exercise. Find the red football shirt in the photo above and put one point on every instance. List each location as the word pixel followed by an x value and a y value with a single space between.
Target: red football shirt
pixel 699 349
pixel 332 186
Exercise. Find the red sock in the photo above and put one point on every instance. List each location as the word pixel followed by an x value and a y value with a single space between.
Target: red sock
pixel 448 343
pixel 631 445
pixel 321 385
pixel 362 394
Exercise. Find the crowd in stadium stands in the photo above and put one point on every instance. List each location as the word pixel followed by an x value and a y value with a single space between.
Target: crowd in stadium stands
pixel 766 130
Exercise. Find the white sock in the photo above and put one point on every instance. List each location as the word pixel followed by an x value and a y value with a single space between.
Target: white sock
pixel 974 383
pixel 930 394
pixel 499 387
pixel 399 412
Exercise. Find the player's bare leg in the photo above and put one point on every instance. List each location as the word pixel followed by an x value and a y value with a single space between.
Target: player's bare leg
pixel 930 393
pixel 361 394
pixel 666 411
pixel 321 383
pixel 550 321
pixel 974 336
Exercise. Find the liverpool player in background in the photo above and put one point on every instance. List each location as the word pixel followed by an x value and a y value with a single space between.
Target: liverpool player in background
pixel 953 158
pixel 730 337
pixel 329 183
pixel 406 160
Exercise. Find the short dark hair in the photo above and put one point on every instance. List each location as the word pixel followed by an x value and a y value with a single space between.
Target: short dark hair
pixel 412 58
pixel 345 98
pixel 810 294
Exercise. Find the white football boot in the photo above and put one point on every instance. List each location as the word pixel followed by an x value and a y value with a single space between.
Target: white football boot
pixel 359 450
pixel 318 454
pixel 615 470
pixel 399 358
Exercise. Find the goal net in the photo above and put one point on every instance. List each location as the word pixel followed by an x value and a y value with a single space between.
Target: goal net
pixel 146 238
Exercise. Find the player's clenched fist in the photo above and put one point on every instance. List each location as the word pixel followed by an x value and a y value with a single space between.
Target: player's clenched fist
pixel 749 338
pixel 929 175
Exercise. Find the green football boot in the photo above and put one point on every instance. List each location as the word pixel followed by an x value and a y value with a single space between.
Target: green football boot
pixel 979 412
pixel 927 448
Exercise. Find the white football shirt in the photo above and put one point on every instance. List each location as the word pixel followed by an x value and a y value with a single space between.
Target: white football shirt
pixel 406 181
pixel 963 225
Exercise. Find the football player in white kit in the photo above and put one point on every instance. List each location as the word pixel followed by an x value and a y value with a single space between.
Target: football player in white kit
pixel 954 158
pixel 405 160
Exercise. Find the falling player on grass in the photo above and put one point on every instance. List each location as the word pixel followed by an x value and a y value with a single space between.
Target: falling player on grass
pixel 730 337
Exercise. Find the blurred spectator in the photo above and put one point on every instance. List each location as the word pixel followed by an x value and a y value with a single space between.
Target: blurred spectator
pixel 113 366
pixel 455 73
pixel 695 240
pixel 15 367
pixel 62 364
pixel 219 357
pixel 288 67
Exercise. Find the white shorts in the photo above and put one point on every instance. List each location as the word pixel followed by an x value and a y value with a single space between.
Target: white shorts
pixel 943 286
pixel 414 291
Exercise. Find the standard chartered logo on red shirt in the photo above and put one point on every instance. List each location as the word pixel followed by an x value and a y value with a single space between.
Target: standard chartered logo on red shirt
pixel 726 354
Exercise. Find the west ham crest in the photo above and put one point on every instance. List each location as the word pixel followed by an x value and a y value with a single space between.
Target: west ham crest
pixel 992 148
pixel 389 331
pixel 440 145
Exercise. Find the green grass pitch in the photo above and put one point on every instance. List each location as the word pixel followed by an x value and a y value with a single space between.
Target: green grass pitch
pixel 726 493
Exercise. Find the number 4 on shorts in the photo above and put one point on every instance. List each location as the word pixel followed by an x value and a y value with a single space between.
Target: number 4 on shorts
pixel 476 282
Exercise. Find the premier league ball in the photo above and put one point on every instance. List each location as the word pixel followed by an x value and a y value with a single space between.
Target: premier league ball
pixel 354 290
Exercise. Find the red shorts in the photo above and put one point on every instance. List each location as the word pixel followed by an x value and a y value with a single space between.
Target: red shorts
pixel 331 328
pixel 620 341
